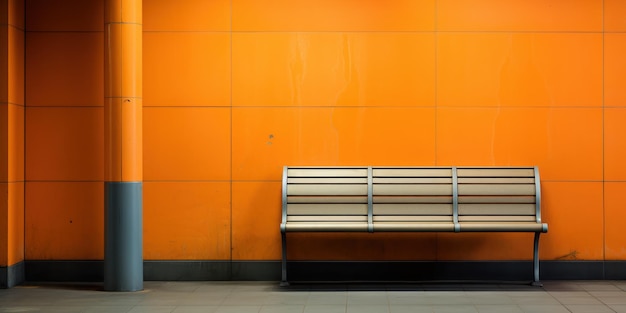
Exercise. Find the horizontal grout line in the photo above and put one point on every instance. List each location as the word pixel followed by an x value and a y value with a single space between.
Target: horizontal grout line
pixel 329 31
pixel 64 181
pixel 263 181
pixel 383 31
pixel 326 106
pixel 64 31
pixel 380 106
pixel 64 106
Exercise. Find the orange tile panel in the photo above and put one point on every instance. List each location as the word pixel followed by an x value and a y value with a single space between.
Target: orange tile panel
pixel 132 140
pixel 123 61
pixel 333 69
pixel 329 15
pixel 132 11
pixel 256 220
pixel 113 140
pixel 186 69
pixel 123 140
pixel 265 139
pixel 64 144
pixel 64 221
pixel 614 69
pixel 614 144
pixel 4 66
pixel 113 55
pixel 186 221
pixel 65 69
pixel 132 55
pixel 186 143
pixel 64 15
pixel 4 142
pixel 614 216
pixel 553 139
pixel 529 15
pixel 574 213
pixel 15 143
pixel 4 220
pixel 614 12
pixel 16 13
pixel 519 69
pixel 485 246
pixel 16 66
pixel 15 223
pixel 186 15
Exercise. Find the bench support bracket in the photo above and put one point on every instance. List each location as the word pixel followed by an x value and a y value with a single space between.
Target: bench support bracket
pixel 536 281
pixel 283 281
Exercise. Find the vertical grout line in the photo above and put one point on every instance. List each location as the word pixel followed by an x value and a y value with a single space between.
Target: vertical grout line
pixel 24 140
pixel 436 59
pixel 230 250
pixel 603 156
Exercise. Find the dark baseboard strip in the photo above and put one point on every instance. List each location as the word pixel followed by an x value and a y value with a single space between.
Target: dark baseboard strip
pixel 401 271
pixel 11 276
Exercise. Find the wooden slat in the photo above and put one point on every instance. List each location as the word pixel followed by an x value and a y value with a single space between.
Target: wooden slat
pixel 497 218
pixel 412 199
pixel 497 209
pixel 496 199
pixel 327 218
pixel 496 180
pixel 324 189
pixel 327 199
pixel 414 227
pixel 327 180
pixel 502 227
pixel 412 172
pixel 412 209
pixel 327 172
pixel 410 190
pixel 412 180
pixel 327 209
pixel 413 218
pixel 488 189
pixel 495 172
pixel 326 227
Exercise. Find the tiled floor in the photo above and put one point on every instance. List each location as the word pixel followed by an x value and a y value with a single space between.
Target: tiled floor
pixel 264 297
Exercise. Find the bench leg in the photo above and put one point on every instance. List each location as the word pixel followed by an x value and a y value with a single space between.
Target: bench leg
pixel 283 281
pixel 536 281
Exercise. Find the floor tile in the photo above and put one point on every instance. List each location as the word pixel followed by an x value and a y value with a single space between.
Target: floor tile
pixel 195 309
pixel 498 308
pixel 325 308
pixel 543 308
pixel 416 308
pixel 367 308
pixel 152 309
pixel 282 309
pixel 458 308
pixel 588 308
pixel 238 309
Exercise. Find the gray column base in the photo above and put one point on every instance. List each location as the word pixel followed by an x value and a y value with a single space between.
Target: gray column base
pixel 12 276
pixel 123 236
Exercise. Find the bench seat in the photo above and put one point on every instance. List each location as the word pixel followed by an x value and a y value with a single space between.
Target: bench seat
pixel 411 199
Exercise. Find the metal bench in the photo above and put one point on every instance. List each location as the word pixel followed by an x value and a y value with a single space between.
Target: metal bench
pixel 411 199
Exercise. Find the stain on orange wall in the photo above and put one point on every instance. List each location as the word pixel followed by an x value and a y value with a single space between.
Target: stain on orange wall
pixel 234 90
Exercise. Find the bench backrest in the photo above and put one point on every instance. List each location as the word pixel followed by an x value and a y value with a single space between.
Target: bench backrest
pixel 410 194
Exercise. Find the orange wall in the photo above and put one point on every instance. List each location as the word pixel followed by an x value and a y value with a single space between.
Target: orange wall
pixel 11 132
pixel 235 89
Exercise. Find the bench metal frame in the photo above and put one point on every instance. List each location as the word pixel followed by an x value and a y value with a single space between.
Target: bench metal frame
pixel 455 208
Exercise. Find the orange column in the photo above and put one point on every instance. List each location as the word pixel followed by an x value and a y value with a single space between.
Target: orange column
pixel 123 146
pixel 11 142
